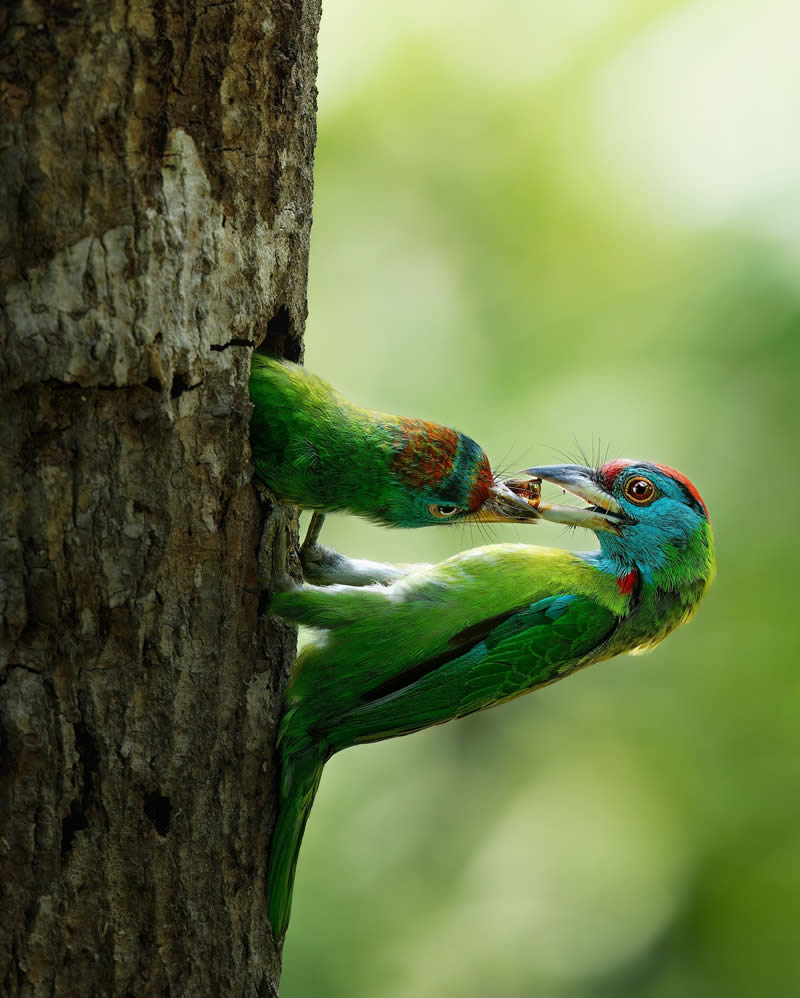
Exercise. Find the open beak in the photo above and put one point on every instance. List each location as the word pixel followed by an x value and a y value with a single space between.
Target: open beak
pixel 503 506
pixel 603 511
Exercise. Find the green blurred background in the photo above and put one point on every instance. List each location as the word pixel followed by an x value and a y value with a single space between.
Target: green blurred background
pixel 548 223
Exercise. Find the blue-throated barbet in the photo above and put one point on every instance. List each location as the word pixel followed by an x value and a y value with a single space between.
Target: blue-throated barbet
pixel 483 627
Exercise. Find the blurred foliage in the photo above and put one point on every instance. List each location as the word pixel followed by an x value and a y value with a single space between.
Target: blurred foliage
pixel 559 226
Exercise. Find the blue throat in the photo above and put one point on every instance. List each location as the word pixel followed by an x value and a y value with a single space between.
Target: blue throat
pixel 668 554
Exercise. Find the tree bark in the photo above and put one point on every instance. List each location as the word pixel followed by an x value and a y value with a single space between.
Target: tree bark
pixel 156 168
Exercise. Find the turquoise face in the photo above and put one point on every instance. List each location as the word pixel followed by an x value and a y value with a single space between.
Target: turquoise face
pixel 667 522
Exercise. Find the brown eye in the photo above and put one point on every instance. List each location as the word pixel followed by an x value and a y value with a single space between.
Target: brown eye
pixel 444 512
pixel 640 490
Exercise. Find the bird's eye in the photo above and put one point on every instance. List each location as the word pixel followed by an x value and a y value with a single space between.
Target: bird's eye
pixel 443 511
pixel 640 491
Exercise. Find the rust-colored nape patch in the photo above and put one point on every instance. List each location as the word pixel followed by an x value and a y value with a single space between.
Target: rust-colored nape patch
pixel 428 454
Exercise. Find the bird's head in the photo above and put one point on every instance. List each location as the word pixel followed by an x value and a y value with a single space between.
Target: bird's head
pixel 443 476
pixel 646 516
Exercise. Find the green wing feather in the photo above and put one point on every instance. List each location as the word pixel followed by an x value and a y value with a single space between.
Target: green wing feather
pixel 482 627
pixel 489 662
pixel 374 635
pixel 535 646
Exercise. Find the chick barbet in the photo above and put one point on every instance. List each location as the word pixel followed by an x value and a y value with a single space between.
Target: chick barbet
pixel 313 448
pixel 483 627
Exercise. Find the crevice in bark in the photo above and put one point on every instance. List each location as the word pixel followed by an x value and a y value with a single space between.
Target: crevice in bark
pixel 88 767
pixel 180 385
pixel 74 822
pixel 232 343
pixel 159 810
pixel 17 665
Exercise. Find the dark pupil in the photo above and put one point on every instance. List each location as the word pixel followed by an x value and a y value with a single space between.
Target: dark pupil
pixel 447 510
pixel 640 489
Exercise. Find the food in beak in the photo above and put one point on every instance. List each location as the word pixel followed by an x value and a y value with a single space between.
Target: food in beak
pixel 529 489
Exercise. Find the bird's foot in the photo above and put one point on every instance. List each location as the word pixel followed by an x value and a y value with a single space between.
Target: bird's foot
pixel 325 567
pixel 273 567
pixel 319 564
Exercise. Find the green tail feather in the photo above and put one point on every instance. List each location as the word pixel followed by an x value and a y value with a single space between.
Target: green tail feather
pixel 300 776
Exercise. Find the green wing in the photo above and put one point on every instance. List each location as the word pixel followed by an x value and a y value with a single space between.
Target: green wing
pixel 508 657
pixel 486 663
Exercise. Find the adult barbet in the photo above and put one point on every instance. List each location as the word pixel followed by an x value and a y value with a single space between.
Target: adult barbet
pixel 483 627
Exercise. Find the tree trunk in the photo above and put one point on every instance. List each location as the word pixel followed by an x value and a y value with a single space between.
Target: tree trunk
pixel 156 169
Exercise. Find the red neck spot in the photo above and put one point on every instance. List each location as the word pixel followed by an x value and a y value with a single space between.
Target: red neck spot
pixel 626 583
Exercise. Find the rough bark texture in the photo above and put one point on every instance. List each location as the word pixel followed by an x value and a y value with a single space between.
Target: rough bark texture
pixel 156 171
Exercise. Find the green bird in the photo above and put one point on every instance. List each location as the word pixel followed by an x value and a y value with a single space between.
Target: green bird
pixel 313 448
pixel 483 627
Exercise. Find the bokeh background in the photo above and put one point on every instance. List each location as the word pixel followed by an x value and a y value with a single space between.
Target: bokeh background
pixel 556 225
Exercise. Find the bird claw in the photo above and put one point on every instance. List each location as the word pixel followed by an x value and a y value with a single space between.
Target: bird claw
pixel 319 564
pixel 325 567
pixel 322 566
pixel 273 570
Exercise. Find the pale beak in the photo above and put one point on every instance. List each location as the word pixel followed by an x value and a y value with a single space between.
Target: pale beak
pixel 503 506
pixel 603 512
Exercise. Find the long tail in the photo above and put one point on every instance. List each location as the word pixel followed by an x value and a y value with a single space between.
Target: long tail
pixel 300 776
